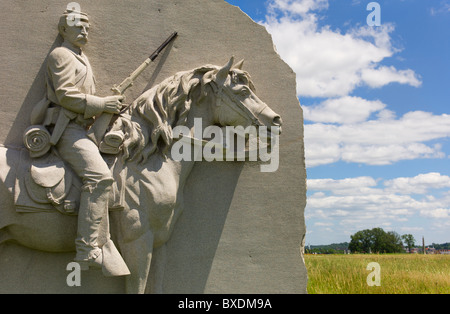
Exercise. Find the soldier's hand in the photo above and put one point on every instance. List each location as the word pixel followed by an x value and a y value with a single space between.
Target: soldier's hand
pixel 113 104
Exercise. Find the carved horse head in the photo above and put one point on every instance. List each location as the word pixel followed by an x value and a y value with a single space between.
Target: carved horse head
pixel 236 101
pixel 222 96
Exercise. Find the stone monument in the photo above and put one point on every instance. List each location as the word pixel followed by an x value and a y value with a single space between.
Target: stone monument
pixel 188 187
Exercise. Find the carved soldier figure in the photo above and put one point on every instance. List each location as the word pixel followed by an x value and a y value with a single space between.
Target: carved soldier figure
pixel 71 85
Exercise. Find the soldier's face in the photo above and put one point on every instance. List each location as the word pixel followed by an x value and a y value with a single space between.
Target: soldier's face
pixel 77 35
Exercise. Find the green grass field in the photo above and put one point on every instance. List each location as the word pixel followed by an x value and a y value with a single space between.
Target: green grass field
pixel 399 274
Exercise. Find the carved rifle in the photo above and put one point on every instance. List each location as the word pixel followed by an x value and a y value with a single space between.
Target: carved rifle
pixel 101 124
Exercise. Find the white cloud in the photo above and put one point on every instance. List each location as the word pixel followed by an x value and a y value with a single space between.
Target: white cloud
pixel 297 7
pixel 375 204
pixel 388 154
pixel 411 229
pixel 329 63
pixel 370 195
pixel 436 213
pixel 359 203
pixel 376 142
pixel 443 8
pixel 342 110
pixel 340 213
pixel 323 224
pixel 385 75
pixel 334 184
pixel 419 184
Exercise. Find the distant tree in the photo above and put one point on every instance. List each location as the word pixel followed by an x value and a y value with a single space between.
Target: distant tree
pixel 443 246
pixel 393 243
pixel 375 240
pixel 409 240
pixel 361 241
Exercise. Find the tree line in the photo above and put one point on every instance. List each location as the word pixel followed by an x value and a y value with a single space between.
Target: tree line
pixel 377 240
pixel 374 240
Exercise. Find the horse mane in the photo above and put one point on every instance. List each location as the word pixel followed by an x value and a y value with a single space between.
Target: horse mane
pixel 154 114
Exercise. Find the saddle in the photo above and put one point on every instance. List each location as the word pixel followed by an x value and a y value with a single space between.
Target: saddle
pixel 47 184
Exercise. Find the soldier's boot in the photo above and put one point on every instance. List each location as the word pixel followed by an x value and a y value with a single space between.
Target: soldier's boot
pixel 93 243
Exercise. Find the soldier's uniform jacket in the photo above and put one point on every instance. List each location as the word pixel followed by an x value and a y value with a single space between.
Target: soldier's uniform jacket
pixel 71 85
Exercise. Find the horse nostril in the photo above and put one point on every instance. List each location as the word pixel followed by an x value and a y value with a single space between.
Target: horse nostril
pixel 277 121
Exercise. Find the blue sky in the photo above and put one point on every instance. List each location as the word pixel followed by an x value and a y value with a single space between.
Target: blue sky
pixel 376 109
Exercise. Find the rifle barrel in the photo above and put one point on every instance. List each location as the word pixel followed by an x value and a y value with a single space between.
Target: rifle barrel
pixel 163 45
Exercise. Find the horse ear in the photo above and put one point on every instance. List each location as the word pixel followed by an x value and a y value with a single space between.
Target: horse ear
pixel 222 75
pixel 239 65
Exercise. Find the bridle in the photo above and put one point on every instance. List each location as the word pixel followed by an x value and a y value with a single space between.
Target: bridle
pixel 221 92
pixel 225 96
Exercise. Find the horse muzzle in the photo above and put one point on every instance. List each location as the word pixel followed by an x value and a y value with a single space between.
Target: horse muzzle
pixel 270 119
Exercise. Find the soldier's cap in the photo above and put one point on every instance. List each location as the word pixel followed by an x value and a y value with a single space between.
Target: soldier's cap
pixel 74 14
